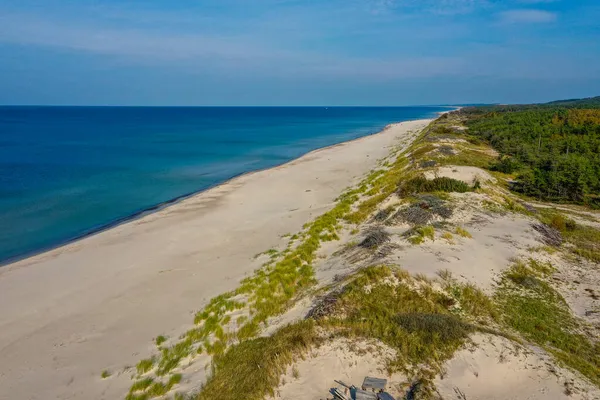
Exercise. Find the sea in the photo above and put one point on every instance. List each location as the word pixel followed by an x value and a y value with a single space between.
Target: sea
pixel 68 172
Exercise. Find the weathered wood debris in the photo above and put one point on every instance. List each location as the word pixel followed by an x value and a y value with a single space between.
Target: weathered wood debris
pixel 371 389
pixel 550 236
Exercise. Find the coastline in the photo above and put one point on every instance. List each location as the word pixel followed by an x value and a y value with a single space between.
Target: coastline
pixel 96 303
pixel 165 204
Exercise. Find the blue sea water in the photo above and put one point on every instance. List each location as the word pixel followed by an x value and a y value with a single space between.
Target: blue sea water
pixel 69 171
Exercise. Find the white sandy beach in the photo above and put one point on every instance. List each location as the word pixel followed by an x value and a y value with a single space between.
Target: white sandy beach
pixel 96 304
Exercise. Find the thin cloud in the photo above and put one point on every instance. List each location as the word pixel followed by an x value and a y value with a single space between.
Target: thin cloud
pixel 31 30
pixel 530 16
pixel 214 52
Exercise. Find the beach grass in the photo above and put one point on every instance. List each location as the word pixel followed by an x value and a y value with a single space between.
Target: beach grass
pixel 145 365
pixel 160 340
pixel 252 368
pixel 463 233
pixel 585 240
pixel 417 235
pixel 149 388
pixel 141 385
pixel 539 313
pixel 448 237
pixel 418 322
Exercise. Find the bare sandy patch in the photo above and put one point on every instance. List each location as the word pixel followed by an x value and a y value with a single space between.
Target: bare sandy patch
pixel 495 368
pixel 496 240
pixel 461 173
pixel 349 361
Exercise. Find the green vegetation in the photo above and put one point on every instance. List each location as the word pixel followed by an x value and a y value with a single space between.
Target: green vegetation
pixel 252 369
pixel 420 184
pixel 585 239
pixel 448 237
pixel 148 388
pixel 145 365
pixel 419 234
pixel 420 323
pixel 141 385
pixel 465 149
pixel 271 253
pixel 105 374
pixel 160 340
pixel 425 326
pixel 171 356
pixel 469 155
pixel 463 232
pixel 554 148
pixel 539 313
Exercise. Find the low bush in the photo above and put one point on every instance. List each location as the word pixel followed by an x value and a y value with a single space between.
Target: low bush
pixel 432 327
pixel 420 184
pixel 506 165
pixel 423 210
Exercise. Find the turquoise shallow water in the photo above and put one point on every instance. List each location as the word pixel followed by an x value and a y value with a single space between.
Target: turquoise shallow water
pixel 69 171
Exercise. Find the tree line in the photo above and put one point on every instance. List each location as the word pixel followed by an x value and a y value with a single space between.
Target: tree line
pixel 553 149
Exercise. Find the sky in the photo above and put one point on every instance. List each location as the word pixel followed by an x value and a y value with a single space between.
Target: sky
pixel 297 52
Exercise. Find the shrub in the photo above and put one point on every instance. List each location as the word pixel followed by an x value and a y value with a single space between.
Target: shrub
pixel 432 327
pixel 428 164
pixel 423 210
pixel 561 223
pixel 420 184
pixel 507 165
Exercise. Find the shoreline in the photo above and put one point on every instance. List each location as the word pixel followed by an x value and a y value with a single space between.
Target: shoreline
pixel 168 203
pixel 95 304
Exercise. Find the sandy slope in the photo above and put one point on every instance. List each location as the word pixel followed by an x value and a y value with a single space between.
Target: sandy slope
pixel 498 369
pixel 312 377
pixel 68 314
pixel 491 367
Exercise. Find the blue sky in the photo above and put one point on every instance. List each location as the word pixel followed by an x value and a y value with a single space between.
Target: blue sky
pixel 297 52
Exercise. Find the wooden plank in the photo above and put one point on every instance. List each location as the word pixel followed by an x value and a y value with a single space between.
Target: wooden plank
pixel 374 383
pixel 364 395
pixel 338 394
